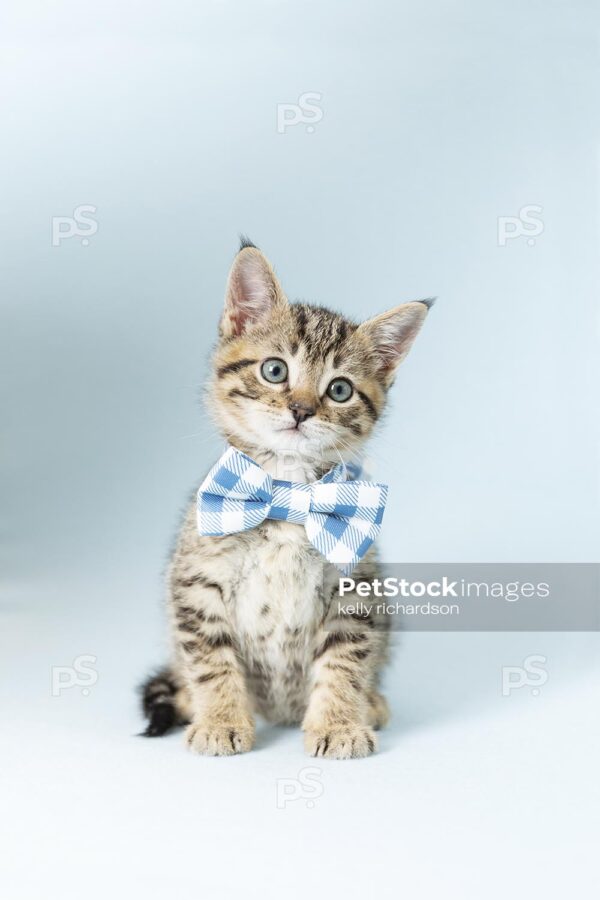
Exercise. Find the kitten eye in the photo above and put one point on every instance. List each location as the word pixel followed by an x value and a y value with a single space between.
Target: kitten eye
pixel 340 390
pixel 274 370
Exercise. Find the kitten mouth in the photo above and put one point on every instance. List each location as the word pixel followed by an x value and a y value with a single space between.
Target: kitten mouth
pixel 290 428
pixel 294 433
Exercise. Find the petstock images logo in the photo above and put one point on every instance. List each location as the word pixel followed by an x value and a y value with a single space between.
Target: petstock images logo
pixel 476 596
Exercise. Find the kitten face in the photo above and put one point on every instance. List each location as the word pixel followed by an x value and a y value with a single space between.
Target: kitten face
pixel 304 382
pixel 298 378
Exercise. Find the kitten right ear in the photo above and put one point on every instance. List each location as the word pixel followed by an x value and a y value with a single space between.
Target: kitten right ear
pixel 252 293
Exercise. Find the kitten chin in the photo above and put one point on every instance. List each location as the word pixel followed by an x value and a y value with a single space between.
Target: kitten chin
pixel 300 463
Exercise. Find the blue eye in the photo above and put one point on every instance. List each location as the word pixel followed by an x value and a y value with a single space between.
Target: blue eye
pixel 340 390
pixel 274 370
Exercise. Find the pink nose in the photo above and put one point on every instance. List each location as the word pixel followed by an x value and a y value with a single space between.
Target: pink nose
pixel 301 411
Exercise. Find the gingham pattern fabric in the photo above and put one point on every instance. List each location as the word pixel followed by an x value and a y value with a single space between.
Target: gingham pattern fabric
pixel 342 518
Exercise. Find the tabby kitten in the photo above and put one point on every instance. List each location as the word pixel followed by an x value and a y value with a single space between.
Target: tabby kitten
pixel 254 624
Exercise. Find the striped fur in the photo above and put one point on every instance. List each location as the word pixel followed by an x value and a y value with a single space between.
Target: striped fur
pixel 252 617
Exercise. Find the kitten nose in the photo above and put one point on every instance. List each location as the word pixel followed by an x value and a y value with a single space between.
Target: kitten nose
pixel 301 411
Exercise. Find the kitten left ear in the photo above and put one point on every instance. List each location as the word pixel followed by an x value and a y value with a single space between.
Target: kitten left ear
pixel 392 333
pixel 252 293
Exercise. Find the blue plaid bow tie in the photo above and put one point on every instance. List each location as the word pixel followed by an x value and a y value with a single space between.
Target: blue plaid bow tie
pixel 342 518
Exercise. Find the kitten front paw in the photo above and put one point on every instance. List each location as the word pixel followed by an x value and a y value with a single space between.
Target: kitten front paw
pixel 346 742
pixel 212 739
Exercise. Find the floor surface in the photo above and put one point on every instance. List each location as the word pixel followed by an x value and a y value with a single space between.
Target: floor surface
pixel 473 793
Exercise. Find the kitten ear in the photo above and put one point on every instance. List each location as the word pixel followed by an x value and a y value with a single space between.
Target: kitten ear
pixel 392 333
pixel 252 293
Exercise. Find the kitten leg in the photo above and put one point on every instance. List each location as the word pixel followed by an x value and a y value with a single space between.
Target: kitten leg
pixel 221 722
pixel 341 711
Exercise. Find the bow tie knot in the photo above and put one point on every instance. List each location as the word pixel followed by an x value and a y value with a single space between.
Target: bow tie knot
pixel 342 518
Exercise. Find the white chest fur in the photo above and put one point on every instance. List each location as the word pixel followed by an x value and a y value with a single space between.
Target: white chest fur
pixel 277 610
pixel 281 583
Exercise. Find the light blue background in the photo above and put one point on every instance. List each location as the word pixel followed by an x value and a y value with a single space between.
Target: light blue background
pixel 436 121
pixel 438 118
